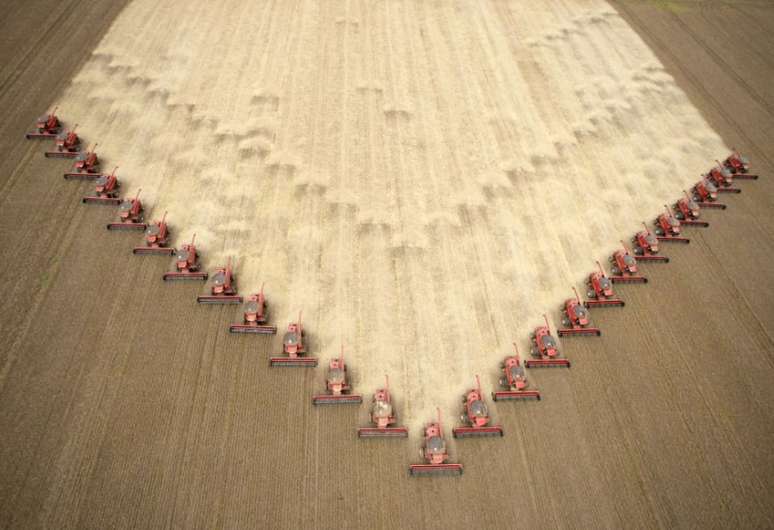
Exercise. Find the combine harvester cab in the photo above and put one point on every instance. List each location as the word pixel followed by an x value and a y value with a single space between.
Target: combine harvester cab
pixel 688 211
pixel 294 348
pixel 337 385
pixel 47 126
pixel 156 239
pixel 86 166
pixel 668 228
pixel 475 416
pixel 223 290
pixel 545 353
pixel 739 166
pixel 434 454
pixel 130 215
pixel 105 191
pixel 382 417
pixel 600 290
pixel 624 267
pixel 576 319
pixel 255 316
pixel 67 144
pixel 187 266
pixel 514 381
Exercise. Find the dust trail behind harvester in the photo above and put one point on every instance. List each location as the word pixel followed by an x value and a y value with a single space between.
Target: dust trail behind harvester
pixel 423 179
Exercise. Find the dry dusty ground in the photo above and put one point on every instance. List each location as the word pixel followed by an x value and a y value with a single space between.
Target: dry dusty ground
pixel 115 414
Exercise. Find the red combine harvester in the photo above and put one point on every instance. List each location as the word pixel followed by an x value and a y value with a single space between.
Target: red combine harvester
pixel 105 191
pixel 739 166
pixel 668 228
pixel 434 453
pixel 723 179
pixel 186 264
pixel 337 385
pixel 156 239
pixel 624 267
pixel 575 318
pixel 67 145
pixel 130 215
pixel 223 290
pixel 705 193
pixel 646 246
pixel 47 126
pixel 255 316
pixel 86 166
pixel 475 416
pixel 600 291
pixel 294 348
pixel 544 351
pixel 382 417
pixel 514 380
pixel 688 211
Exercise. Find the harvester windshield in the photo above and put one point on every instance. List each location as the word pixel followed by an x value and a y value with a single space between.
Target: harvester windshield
pixel 479 409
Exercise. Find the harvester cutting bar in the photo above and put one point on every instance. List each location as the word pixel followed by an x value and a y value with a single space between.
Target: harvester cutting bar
pixel 729 190
pixel 61 154
pixel 674 239
pixel 247 328
pixel 127 226
pixel 569 332
pixel 608 302
pixel 219 299
pixel 293 361
pixel 113 201
pixel 387 432
pixel 652 257
pixel 628 279
pixel 435 469
pixel 513 395
pixel 744 176
pixel 714 205
pixel 472 432
pixel 83 176
pixel 547 363
pixel 341 399
pixel 692 222
pixel 36 134
pixel 175 276
pixel 155 251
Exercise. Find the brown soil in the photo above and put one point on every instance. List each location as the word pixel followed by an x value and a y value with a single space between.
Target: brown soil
pixel 113 414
